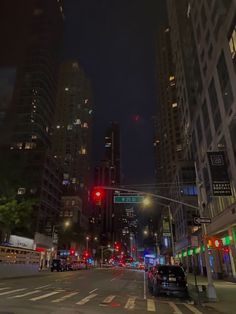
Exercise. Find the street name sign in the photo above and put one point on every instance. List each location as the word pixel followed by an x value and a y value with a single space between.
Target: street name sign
pixel 129 199
pixel 201 220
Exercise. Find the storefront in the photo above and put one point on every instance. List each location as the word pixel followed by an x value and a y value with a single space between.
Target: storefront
pixel 221 252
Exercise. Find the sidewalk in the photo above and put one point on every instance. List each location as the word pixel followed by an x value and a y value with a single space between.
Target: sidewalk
pixel 225 290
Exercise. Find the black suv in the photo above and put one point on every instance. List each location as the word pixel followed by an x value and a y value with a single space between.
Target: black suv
pixel 168 279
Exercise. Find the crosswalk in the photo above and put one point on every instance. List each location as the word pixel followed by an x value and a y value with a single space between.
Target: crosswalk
pixel 77 298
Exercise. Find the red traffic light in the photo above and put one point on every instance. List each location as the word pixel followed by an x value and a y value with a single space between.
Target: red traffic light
pixel 72 252
pixel 98 195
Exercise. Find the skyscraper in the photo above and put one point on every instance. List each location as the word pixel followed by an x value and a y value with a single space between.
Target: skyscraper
pixel 72 131
pixel 107 173
pixel 112 149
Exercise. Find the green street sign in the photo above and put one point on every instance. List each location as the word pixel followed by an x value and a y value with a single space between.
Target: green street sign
pixel 129 199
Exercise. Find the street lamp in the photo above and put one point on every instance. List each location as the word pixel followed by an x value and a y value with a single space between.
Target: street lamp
pixel 146 201
pixel 95 238
pixel 87 239
pixel 145 232
pixel 67 223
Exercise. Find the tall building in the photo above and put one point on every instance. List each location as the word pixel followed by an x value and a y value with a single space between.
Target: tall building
pixel 169 146
pixel 168 140
pixel 203 49
pixel 112 149
pixel 30 114
pixel 72 132
pixel 108 174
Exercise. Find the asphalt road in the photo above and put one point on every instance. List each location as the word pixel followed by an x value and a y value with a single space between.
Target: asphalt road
pixel 97 291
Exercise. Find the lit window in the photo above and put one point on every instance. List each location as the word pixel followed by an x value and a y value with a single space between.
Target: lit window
pixel 77 122
pixel 69 127
pixel 58 126
pixel 75 65
pixel 34 137
pixel 85 101
pixel 83 151
pixel 174 105
pixel 21 191
pixel 171 78
pixel 73 180
pixel 66 89
pixel 29 145
pixel 85 125
pixel 66 176
pixel 90 111
pixel 19 145
pixel 179 147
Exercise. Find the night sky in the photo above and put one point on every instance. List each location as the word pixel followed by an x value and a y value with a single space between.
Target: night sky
pixel 114 42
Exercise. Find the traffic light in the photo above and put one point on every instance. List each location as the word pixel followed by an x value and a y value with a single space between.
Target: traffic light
pixel 98 195
pixel 72 252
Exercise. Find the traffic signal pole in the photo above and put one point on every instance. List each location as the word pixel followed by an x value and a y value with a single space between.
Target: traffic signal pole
pixel 211 292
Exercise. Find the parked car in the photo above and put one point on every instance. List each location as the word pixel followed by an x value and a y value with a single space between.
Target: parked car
pixel 168 279
pixel 76 265
pixel 58 265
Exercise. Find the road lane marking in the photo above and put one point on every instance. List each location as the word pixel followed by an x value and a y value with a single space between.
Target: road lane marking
pixel 130 303
pixel 5 288
pixel 192 309
pixel 24 295
pixel 12 291
pixel 44 296
pixel 93 290
pixel 107 300
pixel 144 286
pixel 87 299
pixel 43 286
pixel 175 308
pixel 151 307
pixel 65 297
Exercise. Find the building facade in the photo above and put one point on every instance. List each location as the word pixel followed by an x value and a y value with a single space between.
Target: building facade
pixel 203 49
pixel 30 114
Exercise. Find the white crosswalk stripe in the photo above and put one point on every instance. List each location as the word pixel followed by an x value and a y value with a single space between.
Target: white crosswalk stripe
pixel 5 288
pixel 67 296
pixel 108 300
pixel 175 308
pixel 25 294
pixel 44 296
pixel 130 303
pixel 87 299
pixel 12 291
pixel 193 309
pixel 151 306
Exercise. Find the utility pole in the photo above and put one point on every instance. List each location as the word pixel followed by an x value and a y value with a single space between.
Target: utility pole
pixel 211 291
